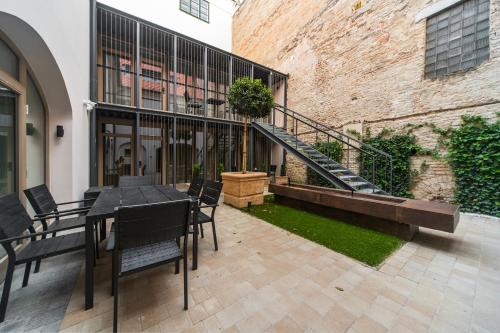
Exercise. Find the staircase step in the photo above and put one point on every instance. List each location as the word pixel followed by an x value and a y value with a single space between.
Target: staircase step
pixel 369 190
pixel 347 177
pixel 357 184
pixel 338 170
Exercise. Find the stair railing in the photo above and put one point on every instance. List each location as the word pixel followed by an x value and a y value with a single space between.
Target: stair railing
pixel 371 163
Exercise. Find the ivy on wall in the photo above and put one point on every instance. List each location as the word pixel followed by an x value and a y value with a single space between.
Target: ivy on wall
pixel 333 150
pixel 401 147
pixel 474 156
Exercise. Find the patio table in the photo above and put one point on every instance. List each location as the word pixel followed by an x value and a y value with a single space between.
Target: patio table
pixel 104 207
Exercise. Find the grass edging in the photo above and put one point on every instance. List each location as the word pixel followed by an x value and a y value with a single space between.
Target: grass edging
pixel 368 246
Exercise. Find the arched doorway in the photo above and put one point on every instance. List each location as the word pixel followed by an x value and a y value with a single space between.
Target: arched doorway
pixel 22 124
pixel 42 102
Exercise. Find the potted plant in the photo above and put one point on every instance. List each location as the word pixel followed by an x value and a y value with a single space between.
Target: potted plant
pixel 252 100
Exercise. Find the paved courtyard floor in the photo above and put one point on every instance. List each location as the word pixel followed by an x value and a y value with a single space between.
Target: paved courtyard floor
pixel 264 279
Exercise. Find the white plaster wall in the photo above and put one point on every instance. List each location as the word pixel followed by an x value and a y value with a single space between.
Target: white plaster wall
pixel 63 25
pixel 166 13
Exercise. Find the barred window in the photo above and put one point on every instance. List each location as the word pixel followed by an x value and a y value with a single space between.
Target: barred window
pixel 457 38
pixel 197 8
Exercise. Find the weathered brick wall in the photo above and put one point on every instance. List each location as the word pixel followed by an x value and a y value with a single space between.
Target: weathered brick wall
pixel 366 67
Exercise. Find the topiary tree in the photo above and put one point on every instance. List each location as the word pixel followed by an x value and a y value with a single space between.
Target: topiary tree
pixel 251 99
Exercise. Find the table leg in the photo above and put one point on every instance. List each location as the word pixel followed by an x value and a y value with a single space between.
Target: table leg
pixel 89 264
pixel 195 237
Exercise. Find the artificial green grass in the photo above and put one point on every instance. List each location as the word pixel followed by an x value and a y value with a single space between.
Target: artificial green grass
pixel 368 246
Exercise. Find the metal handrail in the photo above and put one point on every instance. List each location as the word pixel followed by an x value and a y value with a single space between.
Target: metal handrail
pixel 347 140
pixel 295 114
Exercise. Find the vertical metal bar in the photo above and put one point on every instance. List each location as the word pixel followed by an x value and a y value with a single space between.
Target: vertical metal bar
pixel 230 147
pixel 174 151
pixel 230 83
pixel 205 80
pixel 137 64
pixel 175 78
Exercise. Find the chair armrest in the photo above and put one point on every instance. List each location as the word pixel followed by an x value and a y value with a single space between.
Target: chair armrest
pixel 30 235
pixel 62 213
pixel 208 206
pixel 73 202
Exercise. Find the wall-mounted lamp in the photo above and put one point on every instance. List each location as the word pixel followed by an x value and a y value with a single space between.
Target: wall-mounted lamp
pixel 30 129
pixel 59 131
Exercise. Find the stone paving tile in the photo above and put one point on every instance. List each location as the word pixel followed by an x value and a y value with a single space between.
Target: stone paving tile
pixel 264 279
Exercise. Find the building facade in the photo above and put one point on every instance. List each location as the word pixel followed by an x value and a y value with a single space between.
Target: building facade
pixel 368 65
pixel 89 93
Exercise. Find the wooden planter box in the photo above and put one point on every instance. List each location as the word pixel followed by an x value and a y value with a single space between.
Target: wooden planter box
pixel 240 189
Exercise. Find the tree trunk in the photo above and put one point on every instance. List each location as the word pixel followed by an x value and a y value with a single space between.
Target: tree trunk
pixel 244 161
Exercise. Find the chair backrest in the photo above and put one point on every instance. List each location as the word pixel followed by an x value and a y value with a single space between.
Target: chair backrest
pixel 14 219
pixel 195 187
pixel 125 181
pixel 40 199
pixel 211 192
pixel 151 223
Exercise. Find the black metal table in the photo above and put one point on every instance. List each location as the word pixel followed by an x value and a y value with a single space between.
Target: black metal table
pixel 104 207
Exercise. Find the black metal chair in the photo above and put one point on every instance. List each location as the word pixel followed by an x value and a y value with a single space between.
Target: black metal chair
pixel 146 236
pixel 125 181
pixel 47 209
pixel 14 221
pixel 195 187
pixel 209 199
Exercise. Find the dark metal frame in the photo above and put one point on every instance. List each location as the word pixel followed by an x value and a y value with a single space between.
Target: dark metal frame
pixel 175 112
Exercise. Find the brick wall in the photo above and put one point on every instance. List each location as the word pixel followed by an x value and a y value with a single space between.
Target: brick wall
pixel 366 67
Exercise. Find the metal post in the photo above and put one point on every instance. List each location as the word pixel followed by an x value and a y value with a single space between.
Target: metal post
pixel 92 95
pixel 205 130
pixel 230 147
pixel 230 81
pixel 250 150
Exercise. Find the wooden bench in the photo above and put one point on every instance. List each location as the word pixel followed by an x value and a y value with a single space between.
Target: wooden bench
pixel 397 216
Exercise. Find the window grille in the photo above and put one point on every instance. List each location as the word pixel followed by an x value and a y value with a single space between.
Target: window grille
pixel 457 38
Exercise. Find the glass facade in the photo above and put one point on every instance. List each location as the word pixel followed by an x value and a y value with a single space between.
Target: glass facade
pixel 173 90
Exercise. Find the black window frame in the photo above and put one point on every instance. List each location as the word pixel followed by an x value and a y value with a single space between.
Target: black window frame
pixel 190 11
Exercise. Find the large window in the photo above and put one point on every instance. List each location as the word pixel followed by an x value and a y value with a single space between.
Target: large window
pixel 197 8
pixel 7 141
pixel 457 38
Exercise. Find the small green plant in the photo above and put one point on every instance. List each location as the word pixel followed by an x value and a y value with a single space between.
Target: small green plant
pixel 220 169
pixel 401 146
pixel 251 99
pixel 197 169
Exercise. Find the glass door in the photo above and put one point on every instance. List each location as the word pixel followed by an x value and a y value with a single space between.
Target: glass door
pixel 7 141
pixel 117 147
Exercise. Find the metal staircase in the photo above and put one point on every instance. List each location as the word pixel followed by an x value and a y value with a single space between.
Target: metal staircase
pixel 300 135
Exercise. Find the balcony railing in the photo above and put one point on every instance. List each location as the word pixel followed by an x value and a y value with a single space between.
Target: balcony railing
pixel 144 66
